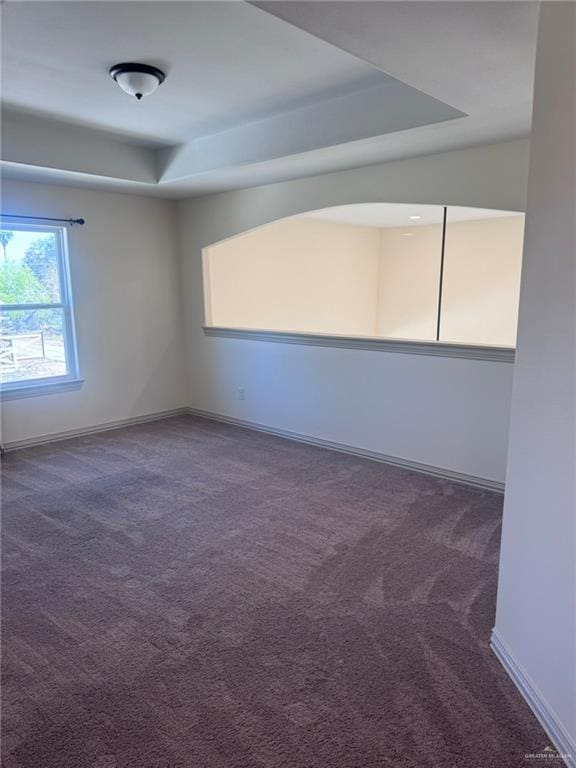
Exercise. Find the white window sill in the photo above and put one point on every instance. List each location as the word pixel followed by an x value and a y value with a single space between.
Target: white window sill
pixel 401 346
pixel 38 388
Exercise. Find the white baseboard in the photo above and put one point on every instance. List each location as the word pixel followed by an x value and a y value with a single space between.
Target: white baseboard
pixel 560 738
pixel 447 474
pixel 67 435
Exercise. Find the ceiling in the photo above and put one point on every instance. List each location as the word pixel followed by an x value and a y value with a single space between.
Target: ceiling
pixel 400 215
pixel 212 52
pixel 256 92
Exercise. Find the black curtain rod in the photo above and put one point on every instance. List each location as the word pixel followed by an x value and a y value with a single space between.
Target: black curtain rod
pixel 42 218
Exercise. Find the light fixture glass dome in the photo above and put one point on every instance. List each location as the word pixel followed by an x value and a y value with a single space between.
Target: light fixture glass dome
pixel 137 79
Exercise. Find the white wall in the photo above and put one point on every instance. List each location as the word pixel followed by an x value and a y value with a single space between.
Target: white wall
pixel 124 274
pixel 536 613
pixel 409 282
pixel 481 287
pixel 299 275
pixel 449 413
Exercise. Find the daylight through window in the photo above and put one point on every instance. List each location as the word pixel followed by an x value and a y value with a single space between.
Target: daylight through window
pixel 36 323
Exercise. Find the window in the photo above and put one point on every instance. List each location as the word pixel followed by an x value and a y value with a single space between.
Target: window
pixel 417 273
pixel 37 344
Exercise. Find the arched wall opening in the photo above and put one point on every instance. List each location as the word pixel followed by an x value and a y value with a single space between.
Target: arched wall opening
pixel 424 273
pixel 438 406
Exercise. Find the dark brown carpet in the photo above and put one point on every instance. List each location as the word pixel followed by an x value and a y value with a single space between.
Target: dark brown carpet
pixel 184 594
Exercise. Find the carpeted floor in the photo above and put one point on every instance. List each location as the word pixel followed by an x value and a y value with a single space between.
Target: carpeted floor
pixel 185 594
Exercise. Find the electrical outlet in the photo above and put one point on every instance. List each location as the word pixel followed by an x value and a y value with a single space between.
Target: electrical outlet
pixel 241 393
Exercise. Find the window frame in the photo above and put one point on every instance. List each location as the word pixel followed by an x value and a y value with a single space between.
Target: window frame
pixel 50 384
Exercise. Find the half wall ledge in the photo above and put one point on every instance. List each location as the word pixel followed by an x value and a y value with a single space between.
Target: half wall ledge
pixel 397 346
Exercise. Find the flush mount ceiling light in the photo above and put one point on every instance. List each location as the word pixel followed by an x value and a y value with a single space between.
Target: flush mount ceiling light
pixel 137 79
pixel 415 218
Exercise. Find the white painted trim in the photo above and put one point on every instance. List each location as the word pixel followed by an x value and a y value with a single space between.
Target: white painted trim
pixel 401 346
pixel 65 306
pixel 57 436
pixel 447 474
pixel 415 466
pixel 31 388
pixel 30 307
pixel 560 738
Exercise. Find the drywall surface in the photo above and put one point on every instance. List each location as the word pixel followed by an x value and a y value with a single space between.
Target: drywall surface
pixel 124 275
pixel 481 286
pixel 298 274
pixel 409 282
pixel 481 281
pixel 449 413
pixel 536 610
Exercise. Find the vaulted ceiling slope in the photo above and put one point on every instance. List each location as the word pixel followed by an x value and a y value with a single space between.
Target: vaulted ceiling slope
pixel 256 92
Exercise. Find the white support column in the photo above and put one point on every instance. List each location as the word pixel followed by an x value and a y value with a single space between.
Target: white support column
pixel 535 634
